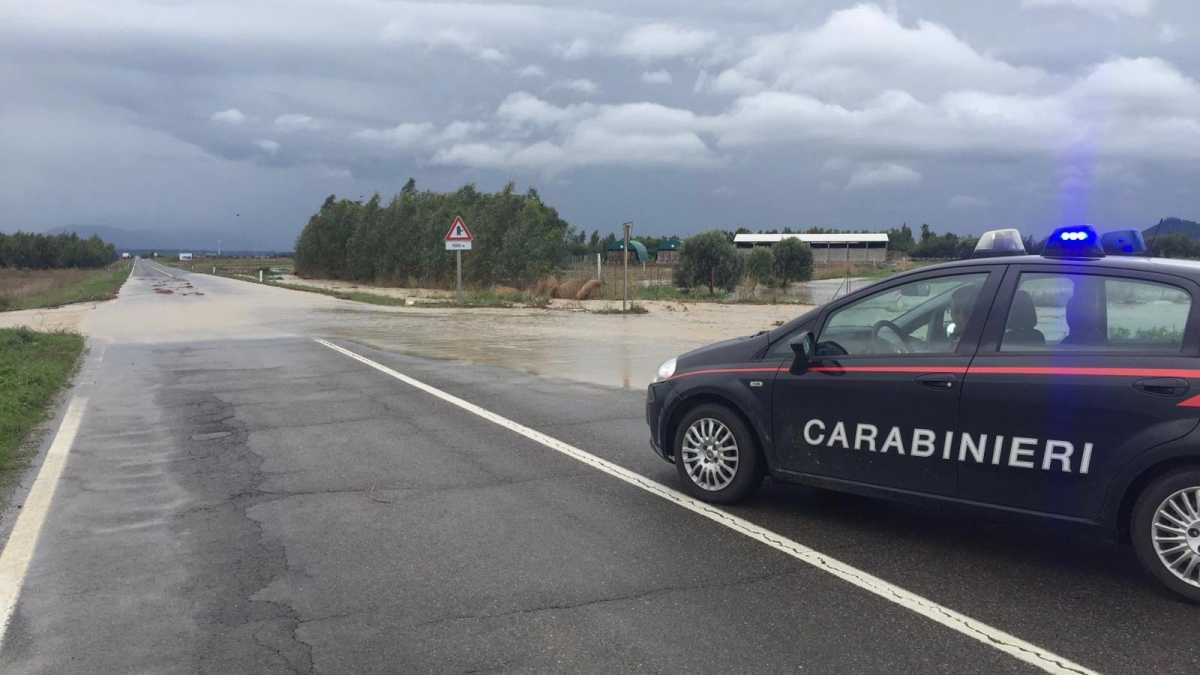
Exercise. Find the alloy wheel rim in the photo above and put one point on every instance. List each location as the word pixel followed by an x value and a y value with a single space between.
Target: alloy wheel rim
pixel 1175 531
pixel 710 454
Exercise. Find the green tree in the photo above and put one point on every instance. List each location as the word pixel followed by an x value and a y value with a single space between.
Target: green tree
pixel 709 259
pixel 900 239
pixel 760 265
pixel 793 261
pixel 1173 246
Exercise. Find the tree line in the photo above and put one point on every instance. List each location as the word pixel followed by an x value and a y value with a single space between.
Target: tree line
pixel 711 260
pixel 518 238
pixel 28 250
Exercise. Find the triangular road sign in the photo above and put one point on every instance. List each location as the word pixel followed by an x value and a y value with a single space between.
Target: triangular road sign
pixel 458 231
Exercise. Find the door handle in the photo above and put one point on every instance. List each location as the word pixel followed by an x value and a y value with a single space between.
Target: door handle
pixel 1163 386
pixel 939 381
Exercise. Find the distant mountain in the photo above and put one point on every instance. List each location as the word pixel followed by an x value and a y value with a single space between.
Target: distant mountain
pixel 168 241
pixel 1166 226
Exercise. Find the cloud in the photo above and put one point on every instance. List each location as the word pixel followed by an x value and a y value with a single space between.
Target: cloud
pixel 410 136
pixel 268 146
pixel 1169 33
pixel 522 108
pixel 663 41
pixel 584 134
pixel 403 135
pixel 491 31
pixel 859 53
pixel 231 116
pixel 1142 108
pixel 882 175
pixel 532 71
pixel 656 77
pixel 576 49
pixel 579 86
pixel 1109 8
pixel 965 202
pixel 291 122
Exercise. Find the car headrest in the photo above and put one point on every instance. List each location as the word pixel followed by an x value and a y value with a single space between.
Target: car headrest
pixel 1023 316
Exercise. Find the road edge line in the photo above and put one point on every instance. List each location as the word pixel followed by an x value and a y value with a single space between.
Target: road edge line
pixel 22 541
pixel 972 628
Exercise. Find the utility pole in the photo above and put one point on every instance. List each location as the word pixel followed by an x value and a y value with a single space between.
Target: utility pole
pixel 625 290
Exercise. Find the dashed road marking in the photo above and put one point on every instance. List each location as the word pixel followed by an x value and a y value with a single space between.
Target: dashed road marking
pixel 972 628
pixel 18 550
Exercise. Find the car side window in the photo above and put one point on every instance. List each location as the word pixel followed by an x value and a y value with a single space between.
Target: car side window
pixel 1085 312
pixel 928 316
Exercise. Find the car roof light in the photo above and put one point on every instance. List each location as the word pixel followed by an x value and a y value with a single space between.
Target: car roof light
pixel 1074 241
pixel 1123 242
pixel 999 242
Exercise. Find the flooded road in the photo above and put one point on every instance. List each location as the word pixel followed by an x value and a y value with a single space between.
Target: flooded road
pixel 606 349
pixel 611 350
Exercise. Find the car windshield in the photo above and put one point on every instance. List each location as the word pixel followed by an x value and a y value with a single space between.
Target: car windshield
pixel 602 336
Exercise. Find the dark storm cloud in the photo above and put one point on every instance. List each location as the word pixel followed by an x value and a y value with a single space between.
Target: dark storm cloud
pixel 174 115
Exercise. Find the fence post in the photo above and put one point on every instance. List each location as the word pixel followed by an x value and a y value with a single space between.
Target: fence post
pixel 599 276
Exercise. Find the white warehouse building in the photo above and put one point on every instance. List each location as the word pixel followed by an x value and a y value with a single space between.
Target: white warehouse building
pixel 827 248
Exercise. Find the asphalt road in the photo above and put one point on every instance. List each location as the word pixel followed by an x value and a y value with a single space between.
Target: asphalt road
pixel 253 501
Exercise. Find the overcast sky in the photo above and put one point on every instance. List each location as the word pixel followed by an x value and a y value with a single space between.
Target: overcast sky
pixel 676 114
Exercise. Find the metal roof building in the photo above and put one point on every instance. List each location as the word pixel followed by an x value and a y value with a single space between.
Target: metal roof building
pixel 827 248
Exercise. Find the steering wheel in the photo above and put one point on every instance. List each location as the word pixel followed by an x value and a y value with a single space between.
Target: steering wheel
pixel 895 337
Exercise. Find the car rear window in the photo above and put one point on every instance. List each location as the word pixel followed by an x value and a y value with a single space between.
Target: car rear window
pixel 1084 312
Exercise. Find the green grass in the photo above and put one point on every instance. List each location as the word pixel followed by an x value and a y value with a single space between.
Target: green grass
pixel 33 368
pixel 54 288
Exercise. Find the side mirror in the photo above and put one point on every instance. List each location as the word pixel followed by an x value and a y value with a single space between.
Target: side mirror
pixel 804 346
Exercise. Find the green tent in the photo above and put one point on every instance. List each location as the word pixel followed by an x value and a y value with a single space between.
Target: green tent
pixel 636 248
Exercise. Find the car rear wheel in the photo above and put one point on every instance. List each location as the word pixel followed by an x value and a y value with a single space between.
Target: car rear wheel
pixel 716 456
pixel 1166 531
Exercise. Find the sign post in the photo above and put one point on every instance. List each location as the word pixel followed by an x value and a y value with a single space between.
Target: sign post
pixel 625 288
pixel 458 239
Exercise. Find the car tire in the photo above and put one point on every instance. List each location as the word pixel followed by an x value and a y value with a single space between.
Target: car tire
pixel 716 456
pixel 1158 510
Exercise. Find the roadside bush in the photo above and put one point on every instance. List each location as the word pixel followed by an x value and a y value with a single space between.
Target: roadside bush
pixel 793 261
pixel 760 265
pixel 709 259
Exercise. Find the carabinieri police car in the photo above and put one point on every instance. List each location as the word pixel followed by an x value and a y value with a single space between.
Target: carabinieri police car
pixel 1061 386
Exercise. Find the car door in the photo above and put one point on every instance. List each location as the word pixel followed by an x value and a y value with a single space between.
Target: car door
pixel 1081 369
pixel 888 358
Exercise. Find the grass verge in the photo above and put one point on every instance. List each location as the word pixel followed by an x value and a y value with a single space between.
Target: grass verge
pixel 33 368
pixel 38 289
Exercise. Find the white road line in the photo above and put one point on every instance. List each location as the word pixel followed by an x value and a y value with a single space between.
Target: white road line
pixel 972 628
pixel 18 551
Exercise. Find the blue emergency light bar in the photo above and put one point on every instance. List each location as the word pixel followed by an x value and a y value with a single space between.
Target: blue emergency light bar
pixel 1123 242
pixel 1074 241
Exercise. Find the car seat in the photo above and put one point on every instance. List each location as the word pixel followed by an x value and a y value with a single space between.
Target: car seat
pixel 1022 322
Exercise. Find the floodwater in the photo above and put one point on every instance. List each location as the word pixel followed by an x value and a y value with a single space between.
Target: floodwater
pixel 611 350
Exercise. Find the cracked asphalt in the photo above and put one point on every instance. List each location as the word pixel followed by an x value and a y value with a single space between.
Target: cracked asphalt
pixel 251 501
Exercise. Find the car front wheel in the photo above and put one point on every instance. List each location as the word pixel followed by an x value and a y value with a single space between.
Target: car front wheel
pixel 1166 531
pixel 716 456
